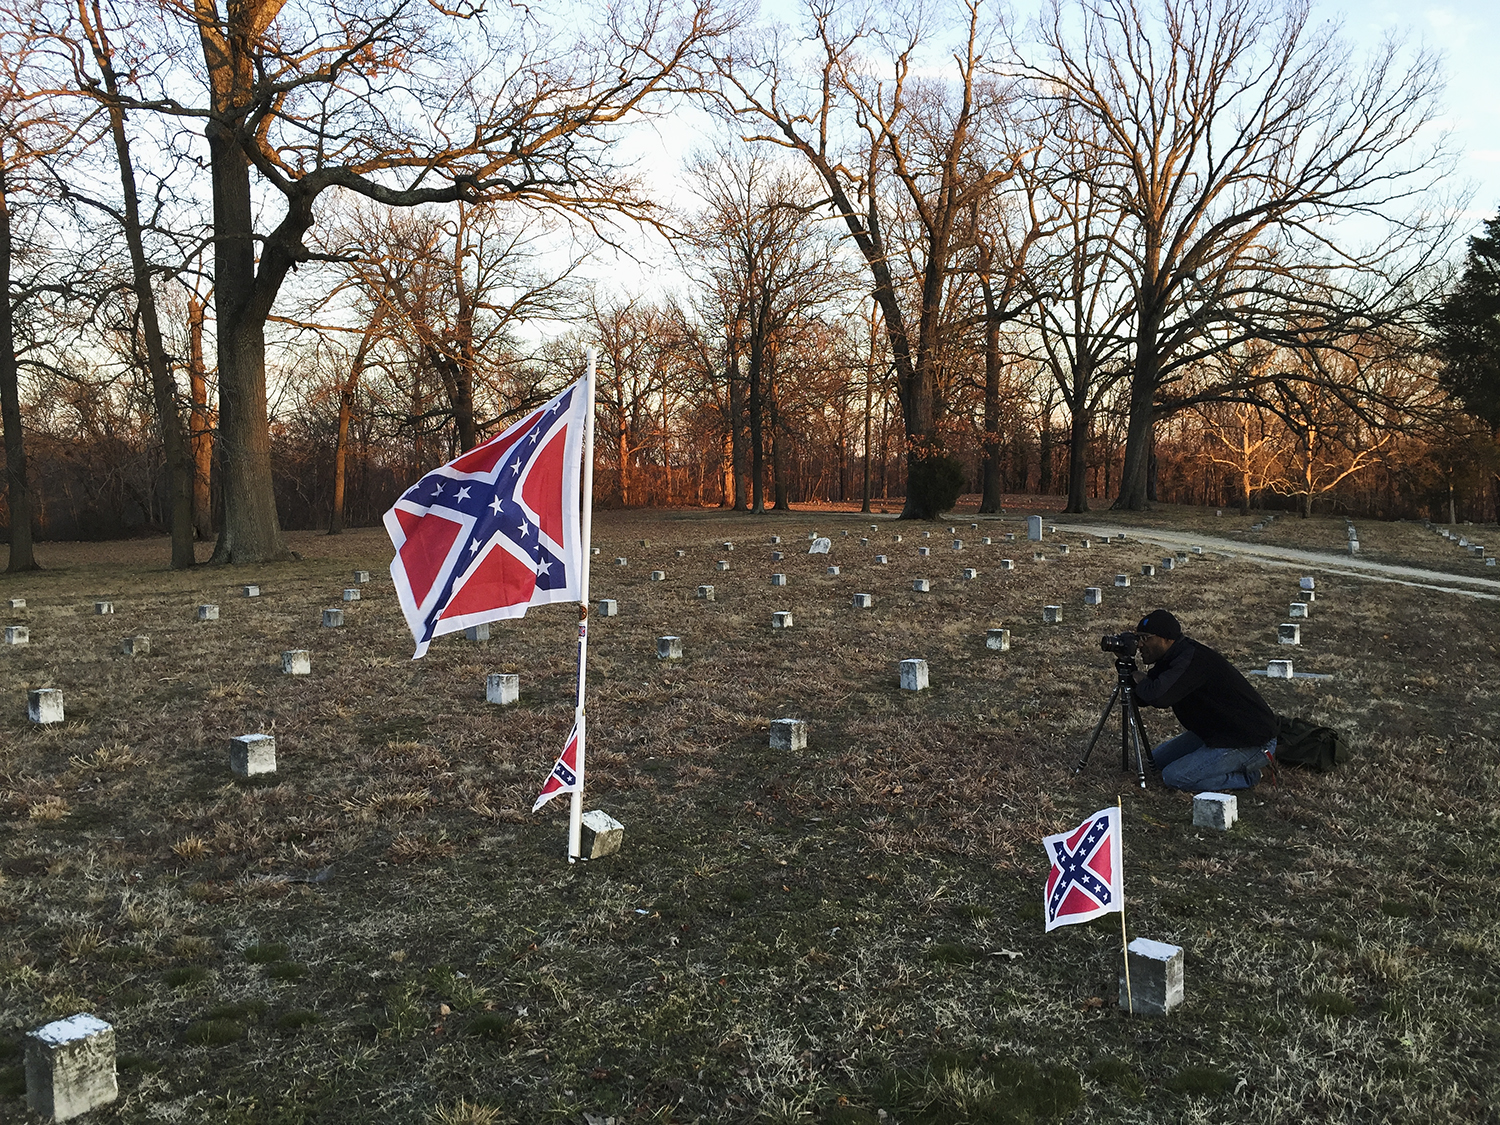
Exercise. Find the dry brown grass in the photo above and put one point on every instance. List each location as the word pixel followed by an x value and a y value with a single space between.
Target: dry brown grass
pixel 812 938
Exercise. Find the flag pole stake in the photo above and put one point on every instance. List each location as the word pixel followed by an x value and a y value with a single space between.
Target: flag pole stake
pixel 575 812
pixel 1124 944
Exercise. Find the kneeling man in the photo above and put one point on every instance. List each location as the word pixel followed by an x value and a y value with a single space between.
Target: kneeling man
pixel 1231 732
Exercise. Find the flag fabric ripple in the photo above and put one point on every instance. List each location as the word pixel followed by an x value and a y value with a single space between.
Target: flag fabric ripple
pixel 1087 878
pixel 496 530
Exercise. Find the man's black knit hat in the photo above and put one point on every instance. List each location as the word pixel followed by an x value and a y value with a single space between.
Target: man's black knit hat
pixel 1160 623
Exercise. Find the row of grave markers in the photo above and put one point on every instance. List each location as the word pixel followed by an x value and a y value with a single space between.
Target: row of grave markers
pixel 1462 541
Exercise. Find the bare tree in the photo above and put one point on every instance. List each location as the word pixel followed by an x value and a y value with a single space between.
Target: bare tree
pixel 880 134
pixel 1235 137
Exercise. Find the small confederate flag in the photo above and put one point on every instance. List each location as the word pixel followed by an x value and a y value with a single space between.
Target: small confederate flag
pixel 1088 873
pixel 564 776
pixel 496 530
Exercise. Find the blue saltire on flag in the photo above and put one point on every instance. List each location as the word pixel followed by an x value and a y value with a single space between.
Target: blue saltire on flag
pixel 496 530
pixel 564 776
pixel 1087 876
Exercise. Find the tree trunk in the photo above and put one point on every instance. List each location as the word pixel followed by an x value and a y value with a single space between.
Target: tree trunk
pixel 251 531
pixel 992 486
pixel 737 431
pixel 757 445
pixel 1140 430
pixel 201 430
pixel 1078 468
pixel 17 488
pixel 163 386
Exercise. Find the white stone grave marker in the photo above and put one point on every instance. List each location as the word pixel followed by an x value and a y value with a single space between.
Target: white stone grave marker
pixel 17 603
pixel 250 754
pixel 669 648
pixel 781 619
pixel 788 734
pixel 1289 633
pixel 1215 810
pixel 250 591
pixel 296 662
pixel 351 595
pixel 608 607
pixel 722 564
pixel 1280 670
pixel 1007 564
pixel 70 1067
pixel 970 574
pixel 998 639
pixel 1122 580
pixel 208 613
pixel 502 688
pixel 1148 570
pixel 914 675
pixel 602 835
pixel 1298 609
pixel 658 576
pixel 833 570
pixel 706 593
pixel 479 632
pixel 880 560
pixel 1308 584
pixel 1034 528
pixel 361 577
pixel 103 607
pixel 921 585
pixel 1092 595
pixel 1052 614
pixel 44 705
pixel 820 546
pixel 136 646
pixel 924 551
pixel 864 601
pixel 778 580
pixel 17 635
pixel 622 561
pixel 1155 978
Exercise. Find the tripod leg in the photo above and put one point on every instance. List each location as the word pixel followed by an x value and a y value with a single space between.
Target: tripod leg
pixel 1138 734
pixel 1103 718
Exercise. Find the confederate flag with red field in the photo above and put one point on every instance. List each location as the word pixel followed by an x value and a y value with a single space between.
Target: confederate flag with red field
pixel 496 530
pixel 1088 872
pixel 564 776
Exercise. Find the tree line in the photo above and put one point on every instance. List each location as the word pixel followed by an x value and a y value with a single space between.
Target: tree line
pixel 267 261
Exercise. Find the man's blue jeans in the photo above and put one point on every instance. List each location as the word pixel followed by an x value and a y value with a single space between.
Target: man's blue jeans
pixel 1187 764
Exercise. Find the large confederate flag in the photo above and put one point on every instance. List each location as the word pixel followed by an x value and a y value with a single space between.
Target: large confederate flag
pixel 496 530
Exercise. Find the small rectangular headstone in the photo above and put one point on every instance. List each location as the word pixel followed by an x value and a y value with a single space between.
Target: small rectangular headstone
pixel 914 675
pixel 1354 546
pixel 1007 564
pixel 1034 528
pixel 1092 595
pixel 1215 810
pixel 296 662
pixel 70 1067
pixel 1148 570
pixel 669 648
pixel 727 545
pixel 1169 563
pixel 479 632
pixel 1038 556
pixel 361 577
pixel 1052 529
pixel 926 535
pixel 1289 633
pixel 681 554
pixel 958 544
pixel 924 551
pixel 1489 562
pixel 998 639
pixel 722 564
pixel 1088 545
pixel 705 593
pixel 594 550
pixel 970 574
pixel 622 561
pixel 103 607
pixel 136 646
pixel 864 601
pixel 781 619
pixel 880 560
pixel 1280 670
pixel 1052 614
pixel 1010 537
pixel 1197 550
pixel 921 585
pixel 897 539
pixel 17 603
pixel 658 576
pixel 250 591
pixel 777 556
pixel 1063 549
pixel 1298 609
pixel 351 595
pixel 250 754
pixel 1155 978
pixel 864 540
pixel 775 539
pixel 17 635
pixel 778 580
pixel 987 541
pixel 208 613
pixel 1122 580
pixel 608 607
pixel 602 835
pixel 502 688
pixel 1308 583
pixel 44 705
pixel 833 570
pixel 645 542
pixel 788 734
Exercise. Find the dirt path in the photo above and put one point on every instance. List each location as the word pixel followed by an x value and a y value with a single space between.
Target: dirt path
pixel 1317 561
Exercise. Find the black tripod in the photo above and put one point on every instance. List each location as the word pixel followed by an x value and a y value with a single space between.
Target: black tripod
pixel 1132 730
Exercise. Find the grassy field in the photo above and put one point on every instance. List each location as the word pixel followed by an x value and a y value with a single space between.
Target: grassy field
pixel 384 932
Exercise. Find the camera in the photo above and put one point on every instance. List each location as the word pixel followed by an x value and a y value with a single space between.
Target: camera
pixel 1125 644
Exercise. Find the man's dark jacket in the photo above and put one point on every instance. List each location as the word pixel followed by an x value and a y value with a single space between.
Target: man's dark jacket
pixel 1208 695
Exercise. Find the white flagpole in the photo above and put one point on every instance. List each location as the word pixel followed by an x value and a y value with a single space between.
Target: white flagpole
pixel 575 815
